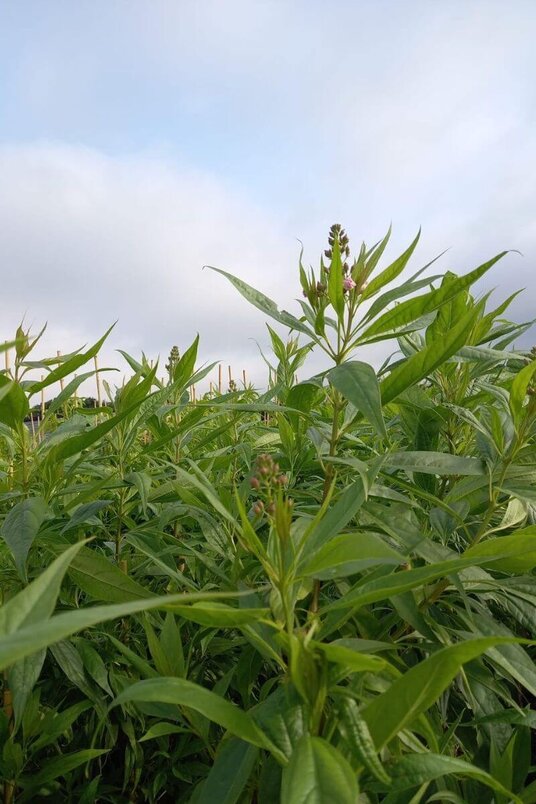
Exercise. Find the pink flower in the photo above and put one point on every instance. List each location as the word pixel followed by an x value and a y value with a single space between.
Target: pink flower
pixel 348 283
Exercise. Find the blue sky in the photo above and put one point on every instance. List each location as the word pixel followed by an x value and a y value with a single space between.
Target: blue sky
pixel 141 140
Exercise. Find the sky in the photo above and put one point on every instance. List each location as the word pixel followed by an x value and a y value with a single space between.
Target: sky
pixel 143 139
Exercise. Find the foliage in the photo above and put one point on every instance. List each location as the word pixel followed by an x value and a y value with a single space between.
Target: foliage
pixel 321 592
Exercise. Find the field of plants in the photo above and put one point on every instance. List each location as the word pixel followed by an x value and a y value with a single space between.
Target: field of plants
pixel 322 592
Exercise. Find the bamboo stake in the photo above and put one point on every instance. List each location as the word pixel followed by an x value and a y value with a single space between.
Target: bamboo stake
pixel 97 378
pixel 244 376
pixel 7 361
pixel 61 380
pixel 42 398
pixel 219 378
pixel 230 376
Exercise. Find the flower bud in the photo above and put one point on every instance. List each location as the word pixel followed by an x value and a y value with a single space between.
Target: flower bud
pixel 258 508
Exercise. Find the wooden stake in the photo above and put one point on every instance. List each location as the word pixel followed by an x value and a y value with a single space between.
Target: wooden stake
pixel 61 380
pixel 97 378
pixel 42 398
pixel 244 376
pixel 230 376
pixel 6 358
pixel 219 378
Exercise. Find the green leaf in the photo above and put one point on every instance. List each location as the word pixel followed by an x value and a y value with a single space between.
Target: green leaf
pixel 20 528
pixel 36 635
pixel 413 309
pixel 102 580
pixel 22 677
pixel 415 692
pixel 339 653
pixel 406 289
pixel 348 554
pixel 398 582
pixel 318 773
pixel 14 405
pixel 60 766
pixel 185 367
pixel 181 692
pixel 263 303
pixel 427 360
pixel 391 272
pixel 357 735
pixel 342 512
pixel 57 723
pixel 434 463
pixel 416 769
pixel 72 446
pixel 516 553
pixel 162 730
pixel 518 391
pixel 36 602
pixel 358 383
pixel 69 366
pixel 219 615
pixel 229 774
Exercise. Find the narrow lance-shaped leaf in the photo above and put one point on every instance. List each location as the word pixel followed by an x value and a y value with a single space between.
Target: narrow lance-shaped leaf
pixel 185 366
pixel 416 769
pixel 69 366
pixel 348 554
pixel 518 391
pixel 412 309
pixel 427 360
pixel 435 463
pixel 318 773
pixel 185 693
pixel 20 528
pixel 416 691
pixel 391 272
pixel 36 602
pixel 358 383
pixel 233 765
pixel 264 304
pixel 34 635
pixel 13 403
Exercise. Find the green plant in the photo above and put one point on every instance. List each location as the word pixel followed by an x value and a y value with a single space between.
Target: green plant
pixel 317 592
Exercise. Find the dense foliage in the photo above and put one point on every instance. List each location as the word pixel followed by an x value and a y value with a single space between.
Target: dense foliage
pixel 323 592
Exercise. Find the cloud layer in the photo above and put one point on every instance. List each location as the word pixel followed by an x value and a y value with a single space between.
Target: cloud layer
pixel 135 148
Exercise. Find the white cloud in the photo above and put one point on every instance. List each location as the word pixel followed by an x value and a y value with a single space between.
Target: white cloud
pixel 299 114
pixel 87 239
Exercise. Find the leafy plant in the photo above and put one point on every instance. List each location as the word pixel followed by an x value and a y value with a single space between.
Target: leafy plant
pixel 320 592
